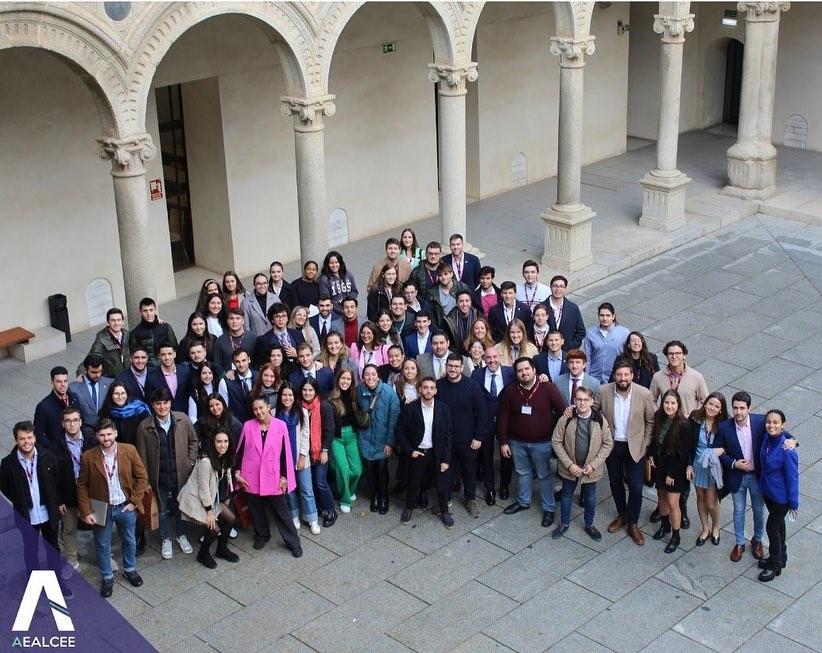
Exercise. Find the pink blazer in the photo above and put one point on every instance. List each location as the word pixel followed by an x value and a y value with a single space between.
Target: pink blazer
pixel 261 465
pixel 380 357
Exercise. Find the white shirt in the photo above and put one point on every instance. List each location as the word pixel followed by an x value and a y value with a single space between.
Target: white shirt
pixel 223 387
pixel 439 365
pixel 488 375
pixel 38 514
pixel 532 295
pixel 115 490
pixel 428 420
pixel 622 408
pixel 422 341
pixel 214 327
pixel 557 308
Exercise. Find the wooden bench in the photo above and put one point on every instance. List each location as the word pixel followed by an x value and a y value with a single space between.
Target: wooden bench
pixel 14 336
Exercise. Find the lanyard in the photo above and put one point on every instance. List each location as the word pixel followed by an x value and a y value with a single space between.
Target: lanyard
pixel 558 313
pixel 527 400
pixel 30 469
pixel 110 471
pixel 458 267
pixel 431 279
pixel 75 459
pixel 532 299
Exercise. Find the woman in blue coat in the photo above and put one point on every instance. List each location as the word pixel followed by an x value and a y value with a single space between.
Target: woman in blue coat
pixel 779 484
pixel 376 441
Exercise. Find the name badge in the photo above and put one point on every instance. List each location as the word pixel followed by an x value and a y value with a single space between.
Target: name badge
pixel 526 410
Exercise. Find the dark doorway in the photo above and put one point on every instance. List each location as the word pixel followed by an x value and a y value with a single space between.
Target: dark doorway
pixel 733 82
pixel 175 173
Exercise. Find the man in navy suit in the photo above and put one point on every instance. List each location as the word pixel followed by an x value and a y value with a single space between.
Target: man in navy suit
pixel 508 309
pixel 48 415
pixel 290 339
pixel 175 378
pixel 310 368
pixel 466 266
pixel 91 390
pixel 492 379
pixel 134 376
pixel 419 342
pixel 741 438
pixel 326 320
pixel 236 390
pixel 563 314
pixel 576 377
pixel 551 362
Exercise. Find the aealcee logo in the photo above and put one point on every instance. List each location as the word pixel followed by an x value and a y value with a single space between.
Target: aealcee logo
pixel 43 580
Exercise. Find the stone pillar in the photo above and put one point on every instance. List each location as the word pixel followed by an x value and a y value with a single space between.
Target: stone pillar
pixel 128 157
pixel 568 222
pixel 309 146
pixel 752 159
pixel 663 197
pixel 451 91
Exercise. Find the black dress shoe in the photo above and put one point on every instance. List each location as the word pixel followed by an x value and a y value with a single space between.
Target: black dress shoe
pixel 715 540
pixel 106 587
pixel 259 544
pixel 515 508
pixel 375 504
pixel 655 516
pixel 685 522
pixel 559 531
pixel 490 497
pixel 547 518
pixel 406 516
pixel 134 578
pixel 503 493
pixel 297 552
pixel 329 518
pixel 383 506
pixel 769 574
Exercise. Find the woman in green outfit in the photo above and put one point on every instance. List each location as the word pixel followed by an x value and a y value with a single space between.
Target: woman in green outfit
pixel 345 454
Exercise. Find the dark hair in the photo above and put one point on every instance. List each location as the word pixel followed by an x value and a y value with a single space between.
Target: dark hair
pixel 349 298
pixel 444 267
pixel 699 415
pixel 393 241
pixel 507 285
pixel 530 263
pixel 464 291
pixel 166 345
pixel 422 313
pixel 161 394
pixel 645 360
pixel 138 347
pixel 426 378
pixel 414 245
pixel 324 298
pixel 523 359
pixel 309 380
pixel 487 269
pixel 434 244
pixel 57 371
pixel 623 362
pixel 741 396
pixel 108 402
pixel 273 263
pixel 559 277
pixel 202 298
pixel 238 351
pixel 104 424
pixel 295 408
pixel 210 422
pixel 675 343
pixel 147 301
pixel 453 356
pixel 275 309
pixel 199 392
pixel 70 410
pixel 23 427
pixel 455 237
pixel 776 411
pixel 588 392
pixel 240 286
pixel 114 311
pixel 608 306
pixel 222 316
pixel 343 400
pixel 236 311
pixel 411 282
pixel 92 361
pixel 220 463
pixel 326 270
pixel 671 443
pixel 439 332
pixel 311 262
pixel 551 332
pixel 376 369
pixel 375 331
pixel 395 287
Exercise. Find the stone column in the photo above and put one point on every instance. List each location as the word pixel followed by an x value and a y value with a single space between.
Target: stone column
pixel 663 197
pixel 309 142
pixel 752 159
pixel 128 157
pixel 568 222
pixel 451 91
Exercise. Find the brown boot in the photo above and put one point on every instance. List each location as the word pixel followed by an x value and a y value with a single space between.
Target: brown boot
pixel 618 523
pixel 636 535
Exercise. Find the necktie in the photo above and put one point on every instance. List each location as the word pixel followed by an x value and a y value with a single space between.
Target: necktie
pixel 493 384
pixel 94 393
pixel 573 389
pixel 246 385
pixel 324 329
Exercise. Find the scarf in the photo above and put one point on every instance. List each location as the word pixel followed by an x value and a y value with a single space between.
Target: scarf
pixel 314 424
pixel 134 408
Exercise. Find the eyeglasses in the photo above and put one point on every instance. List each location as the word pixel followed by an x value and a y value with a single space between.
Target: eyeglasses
pixel 583 399
pixel 70 420
pixel 675 353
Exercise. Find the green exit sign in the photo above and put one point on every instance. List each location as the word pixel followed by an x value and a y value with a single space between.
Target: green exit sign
pixel 389 47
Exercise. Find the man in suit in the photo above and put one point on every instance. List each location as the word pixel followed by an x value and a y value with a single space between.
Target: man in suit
pixel 236 391
pixel 434 362
pixel 197 357
pixel 235 337
pixel 326 320
pixel 308 367
pixel 134 377
pixel 91 390
pixel 425 430
pixel 402 318
pixel 174 378
pixel 741 439
pixel 531 292
pixel 466 266
pixel 48 415
pixel 629 410
pixel 419 342
pixel 492 379
pixel 459 320
pixel 576 377
pixel 508 309
pixel 563 314
pixel 279 333
pixel 279 286
pixel 551 362
pixel 257 305
pixel 486 295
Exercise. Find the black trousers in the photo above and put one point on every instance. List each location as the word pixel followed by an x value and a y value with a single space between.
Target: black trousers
pixel 403 463
pixel 485 462
pixel 31 544
pixel 282 519
pixel 464 467
pixel 775 527
pixel 376 471
pixel 422 474
pixel 621 465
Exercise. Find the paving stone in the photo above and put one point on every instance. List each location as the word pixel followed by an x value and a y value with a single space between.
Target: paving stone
pixel 666 304
pixel 514 532
pixel 751 352
pixel 448 568
pixel 168 578
pixel 751 605
pixel 628 625
pixel 480 643
pixel 809 435
pixel 191 644
pixel 683 324
pixel 358 620
pixel 796 326
pixel 769 282
pixel 354 572
pixel 805 545
pixel 547 617
pixel 466 611
pixel 772 377
pixel 577 642
pixel 767 640
pixel 287 644
pixel 361 526
pixel 426 533
pixel 801 622
pixel 810 482
pixel 536 567
pixel 710 283
pixel 673 642
pixel 267 619
pixel 798 402
pixel 727 302
pixel 807 353
pixel 731 328
pixel 718 373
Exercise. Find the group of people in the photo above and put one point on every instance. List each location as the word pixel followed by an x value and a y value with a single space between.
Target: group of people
pixel 279 400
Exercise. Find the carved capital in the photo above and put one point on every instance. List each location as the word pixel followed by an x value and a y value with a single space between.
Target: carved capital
pixel 571 52
pixel 762 12
pixel 128 156
pixel 452 79
pixel 308 113
pixel 673 28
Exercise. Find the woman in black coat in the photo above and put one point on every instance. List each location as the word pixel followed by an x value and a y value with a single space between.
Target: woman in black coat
pixel 643 361
pixel 125 411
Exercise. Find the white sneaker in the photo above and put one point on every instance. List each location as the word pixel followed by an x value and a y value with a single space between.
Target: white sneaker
pixel 166 551
pixel 233 534
pixel 296 521
pixel 353 498
pixel 315 527
pixel 114 566
pixel 185 545
pixel 344 508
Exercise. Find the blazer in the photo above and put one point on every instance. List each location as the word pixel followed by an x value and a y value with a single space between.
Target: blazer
pixel 564 442
pixel 324 376
pixel 726 439
pixel 336 324
pixel 779 478
pixel 48 417
pixel 260 465
pixel 411 428
pixel 496 318
pixel 93 481
pixel 563 383
pixel 65 465
pixel 223 351
pixel 437 309
pixel 263 344
pixel 571 325
pixel 156 380
pixel 15 486
pixel 185 448
pixel 287 295
pixel 411 346
pixel 541 365
pixel 128 379
pixel 640 417
pixel 406 328
pixel 674 463
pixel 256 319
pixel 492 403
pixel 200 491
pixel 470 269
pixel 425 364
pixel 88 410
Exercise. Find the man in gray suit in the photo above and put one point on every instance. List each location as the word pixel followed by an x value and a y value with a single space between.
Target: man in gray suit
pixel 91 390
pixel 432 363
pixel 576 377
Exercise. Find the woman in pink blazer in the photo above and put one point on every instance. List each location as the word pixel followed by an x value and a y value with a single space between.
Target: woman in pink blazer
pixel 369 348
pixel 265 470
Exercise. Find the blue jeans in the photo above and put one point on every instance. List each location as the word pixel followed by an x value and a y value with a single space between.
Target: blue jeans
pixel 302 499
pixel 321 490
pixel 126 521
pixel 589 494
pixel 749 484
pixel 168 509
pixel 530 456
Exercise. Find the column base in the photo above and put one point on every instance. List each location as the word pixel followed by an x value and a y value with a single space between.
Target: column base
pixel 568 237
pixel 751 171
pixel 471 249
pixel 663 200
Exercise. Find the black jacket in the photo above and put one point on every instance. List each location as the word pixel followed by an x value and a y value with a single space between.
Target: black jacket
pixel 466 402
pixel 68 483
pixel 15 486
pixel 571 325
pixel 411 427
pixel 48 418
pixel 150 336
pixel 642 375
pixel 287 294
pixel 496 319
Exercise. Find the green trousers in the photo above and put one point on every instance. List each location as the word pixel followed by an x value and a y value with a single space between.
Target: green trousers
pixel 345 459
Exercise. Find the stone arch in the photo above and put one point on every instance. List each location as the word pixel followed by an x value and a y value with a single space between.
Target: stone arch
pixel 442 19
pixel 85 50
pixel 288 27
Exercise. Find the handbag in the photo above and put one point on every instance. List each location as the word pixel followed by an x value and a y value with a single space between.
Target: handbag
pixel 362 418
pixel 150 517
pixel 242 510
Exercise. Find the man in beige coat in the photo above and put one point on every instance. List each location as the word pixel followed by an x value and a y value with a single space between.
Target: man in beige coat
pixel 629 410
pixel 582 443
